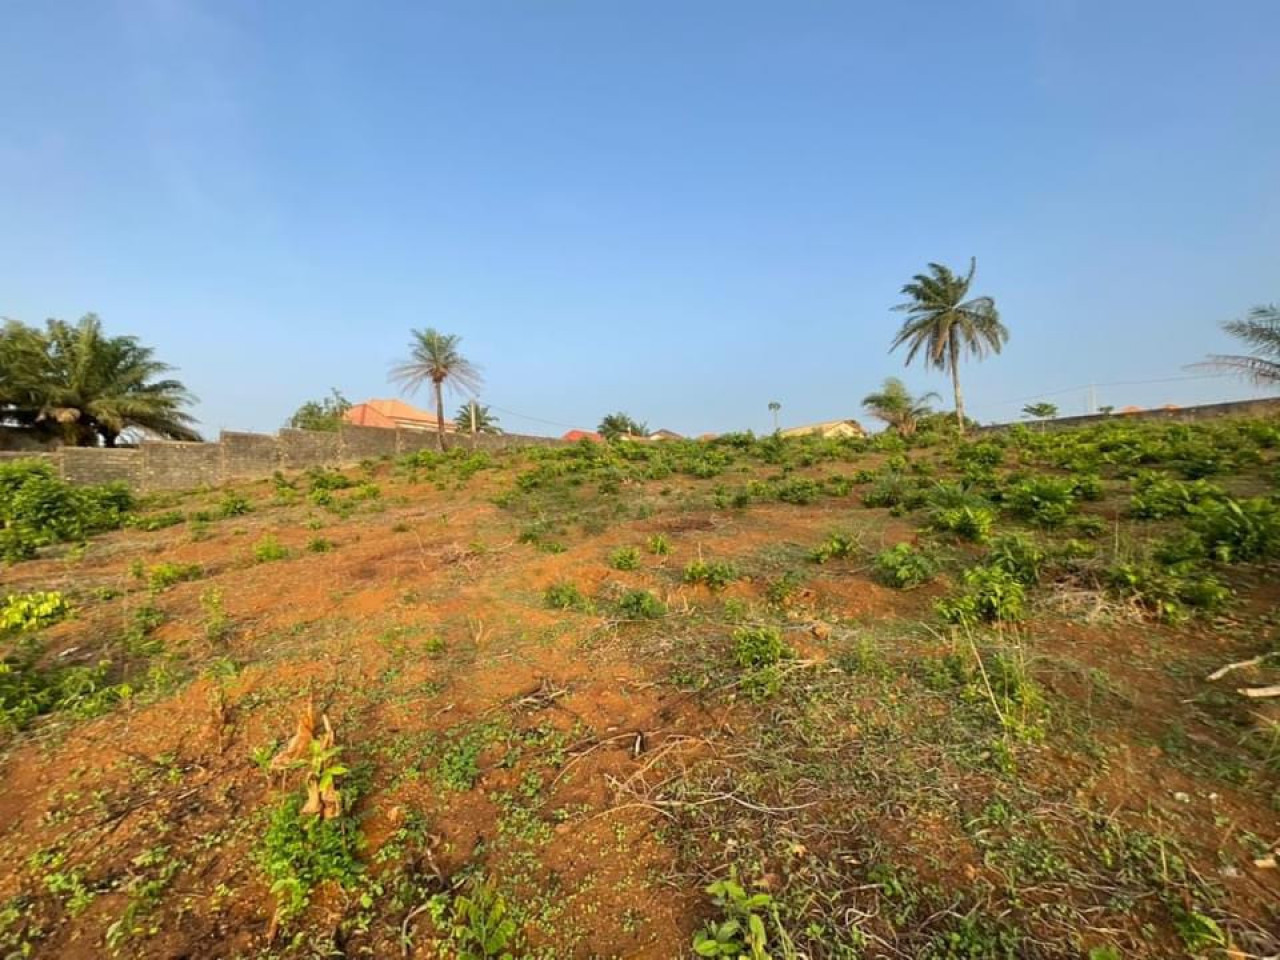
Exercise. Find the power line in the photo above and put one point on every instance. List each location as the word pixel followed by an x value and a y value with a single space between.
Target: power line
pixel 525 416
pixel 1115 383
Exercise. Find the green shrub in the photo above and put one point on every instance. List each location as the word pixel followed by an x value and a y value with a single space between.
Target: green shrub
pixel 716 574
pixel 799 490
pixel 1043 500
pixel 38 508
pixel 234 504
pixel 968 523
pixel 780 591
pixel 659 545
pixel 20 612
pixel 1157 496
pixel 319 545
pixel 894 489
pixel 625 558
pixel 641 605
pixel 564 596
pixel 1171 593
pixel 903 566
pixel 757 647
pixel 165 575
pixel 989 595
pixel 269 549
pixel 1017 555
pixel 323 478
pixel 837 546
pixel 157 521
pixel 1236 530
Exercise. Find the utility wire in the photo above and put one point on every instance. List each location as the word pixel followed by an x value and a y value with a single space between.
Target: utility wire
pixel 525 416
pixel 1114 383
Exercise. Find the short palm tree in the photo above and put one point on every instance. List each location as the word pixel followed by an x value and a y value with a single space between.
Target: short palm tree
pixel 1260 329
pixel 478 416
pixel 943 323
pixel 88 386
pixel 434 357
pixel 774 407
pixel 896 406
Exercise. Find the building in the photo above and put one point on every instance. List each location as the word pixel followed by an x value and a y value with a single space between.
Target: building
pixel 573 436
pixel 391 414
pixel 665 435
pixel 827 429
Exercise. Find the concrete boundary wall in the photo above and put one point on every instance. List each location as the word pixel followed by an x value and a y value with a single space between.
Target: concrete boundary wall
pixel 169 465
pixel 1265 407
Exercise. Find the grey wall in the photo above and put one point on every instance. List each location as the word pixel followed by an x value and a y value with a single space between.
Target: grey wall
pixel 165 465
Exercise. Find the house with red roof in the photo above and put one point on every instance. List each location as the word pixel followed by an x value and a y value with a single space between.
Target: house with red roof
pixel 573 436
pixel 390 414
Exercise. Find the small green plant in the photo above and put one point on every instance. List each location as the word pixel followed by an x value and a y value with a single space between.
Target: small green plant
pixel 217 624
pixel 715 574
pixel 319 545
pixel 659 545
pixel 781 591
pixel 837 546
pixel 1044 500
pixel 625 558
pixel 990 595
pixel 269 549
pixel 564 596
pixel 480 926
pixel 904 566
pixel 740 934
pixel 641 605
pixel 972 523
pixel 234 504
pixel 1017 555
pixel 165 575
pixel 756 647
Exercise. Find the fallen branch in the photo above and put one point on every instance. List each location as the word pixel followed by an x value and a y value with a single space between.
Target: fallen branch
pixel 1239 665
pixel 1259 692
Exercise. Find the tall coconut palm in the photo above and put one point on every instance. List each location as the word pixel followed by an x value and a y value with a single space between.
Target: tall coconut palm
pixel 89 388
pixel 774 407
pixel 895 405
pixel 1260 329
pixel 944 324
pixel 434 357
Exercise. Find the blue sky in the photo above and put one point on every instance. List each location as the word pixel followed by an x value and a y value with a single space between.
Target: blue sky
pixel 679 209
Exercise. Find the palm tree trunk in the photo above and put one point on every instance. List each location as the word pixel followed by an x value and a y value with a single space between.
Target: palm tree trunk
pixel 954 358
pixel 439 414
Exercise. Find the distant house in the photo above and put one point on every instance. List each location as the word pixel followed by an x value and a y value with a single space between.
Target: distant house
pixel 665 435
pixel 390 414
pixel 1131 409
pixel 574 436
pixel 826 429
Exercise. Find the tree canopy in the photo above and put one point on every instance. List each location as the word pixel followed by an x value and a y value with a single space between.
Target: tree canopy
pixel 323 414
pixel 436 358
pixel 944 322
pixel 73 382
pixel 1259 329
pixel 486 421
pixel 894 404
pixel 617 425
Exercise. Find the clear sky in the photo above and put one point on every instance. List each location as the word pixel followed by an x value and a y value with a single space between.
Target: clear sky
pixel 678 209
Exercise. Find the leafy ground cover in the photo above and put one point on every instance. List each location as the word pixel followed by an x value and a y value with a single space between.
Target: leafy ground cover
pixel 752 697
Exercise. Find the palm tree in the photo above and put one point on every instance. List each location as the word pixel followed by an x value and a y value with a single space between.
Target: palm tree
pixel 485 420
pixel 774 407
pixel 617 425
pixel 434 357
pixel 895 405
pixel 89 387
pixel 944 324
pixel 1259 329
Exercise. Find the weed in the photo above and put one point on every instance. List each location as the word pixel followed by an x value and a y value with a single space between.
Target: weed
pixel 837 546
pixel 480 926
pixel 756 647
pixel 625 558
pixel 269 549
pixel 740 933
pixel 21 612
pixel 658 545
pixel 234 504
pixel 716 574
pixel 319 545
pixel 564 596
pixel 165 575
pixel 990 594
pixel 641 605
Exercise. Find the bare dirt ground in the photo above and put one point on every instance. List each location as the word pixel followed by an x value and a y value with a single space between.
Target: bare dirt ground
pixel 589 770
